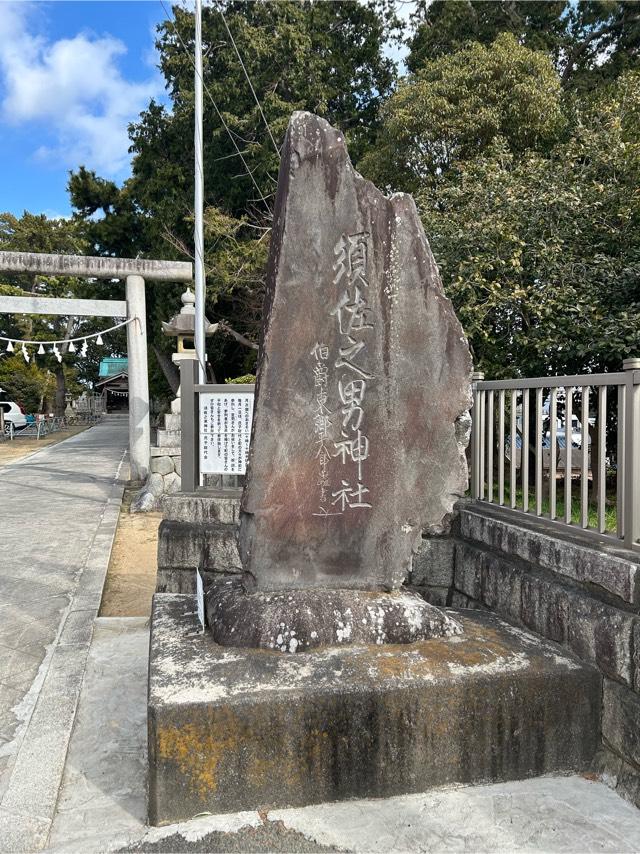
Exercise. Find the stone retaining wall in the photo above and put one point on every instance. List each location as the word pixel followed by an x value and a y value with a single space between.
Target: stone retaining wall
pixel 579 593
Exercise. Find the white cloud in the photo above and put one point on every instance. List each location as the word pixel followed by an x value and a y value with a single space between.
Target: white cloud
pixel 73 87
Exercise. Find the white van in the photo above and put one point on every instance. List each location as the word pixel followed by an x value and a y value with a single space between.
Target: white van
pixel 14 413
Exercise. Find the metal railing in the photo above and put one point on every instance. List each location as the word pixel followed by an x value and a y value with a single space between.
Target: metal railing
pixel 546 447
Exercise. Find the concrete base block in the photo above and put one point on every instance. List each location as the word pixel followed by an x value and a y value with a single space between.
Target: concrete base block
pixel 187 546
pixel 217 506
pixel 234 729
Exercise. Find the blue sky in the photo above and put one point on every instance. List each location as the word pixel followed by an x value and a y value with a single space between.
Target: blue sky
pixel 72 76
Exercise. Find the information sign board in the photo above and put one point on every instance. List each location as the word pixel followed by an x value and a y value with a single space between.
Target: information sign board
pixel 225 431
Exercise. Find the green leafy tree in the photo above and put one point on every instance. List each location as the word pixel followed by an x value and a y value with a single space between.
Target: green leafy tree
pixel 589 42
pixel 37 233
pixel 457 105
pixel 541 254
pixel 323 57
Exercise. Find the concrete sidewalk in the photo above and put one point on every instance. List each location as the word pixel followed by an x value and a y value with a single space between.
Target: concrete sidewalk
pixel 58 514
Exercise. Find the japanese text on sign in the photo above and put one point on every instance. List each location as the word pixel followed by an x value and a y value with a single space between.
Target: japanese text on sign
pixel 225 431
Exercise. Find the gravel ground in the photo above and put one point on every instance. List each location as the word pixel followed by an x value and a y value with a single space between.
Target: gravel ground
pixel 271 836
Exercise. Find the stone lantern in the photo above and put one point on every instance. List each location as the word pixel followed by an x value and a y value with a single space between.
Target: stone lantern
pixel 182 326
pixel 166 454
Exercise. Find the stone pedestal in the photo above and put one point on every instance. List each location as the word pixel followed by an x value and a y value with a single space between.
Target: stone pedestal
pixel 198 532
pixel 239 729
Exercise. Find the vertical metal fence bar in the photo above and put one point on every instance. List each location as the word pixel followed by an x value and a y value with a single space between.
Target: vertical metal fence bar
pixel 568 454
pixel 475 437
pixel 584 456
pixel 501 447
pixel 524 450
pixel 538 447
pixel 553 453
pixel 490 445
pixel 512 445
pixel 483 436
pixel 620 488
pixel 632 454
pixel 602 454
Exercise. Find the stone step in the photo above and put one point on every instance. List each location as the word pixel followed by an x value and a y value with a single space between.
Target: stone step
pixel 172 421
pixel 493 704
pixel 569 552
pixel 168 438
pixel 219 506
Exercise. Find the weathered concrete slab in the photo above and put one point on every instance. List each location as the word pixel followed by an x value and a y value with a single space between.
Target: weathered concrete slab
pixel 234 729
pixel 213 506
pixel 363 378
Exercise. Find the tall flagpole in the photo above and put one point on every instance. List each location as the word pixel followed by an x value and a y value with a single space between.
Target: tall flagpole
pixel 198 236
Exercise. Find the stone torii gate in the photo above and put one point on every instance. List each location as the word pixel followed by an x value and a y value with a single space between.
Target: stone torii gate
pixel 135 271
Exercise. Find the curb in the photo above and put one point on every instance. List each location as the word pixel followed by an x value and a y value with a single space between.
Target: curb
pixel 28 806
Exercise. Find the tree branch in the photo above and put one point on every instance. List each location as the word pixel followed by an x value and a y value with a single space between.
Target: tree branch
pixel 224 326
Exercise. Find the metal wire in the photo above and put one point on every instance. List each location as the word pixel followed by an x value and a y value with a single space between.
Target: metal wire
pixel 215 106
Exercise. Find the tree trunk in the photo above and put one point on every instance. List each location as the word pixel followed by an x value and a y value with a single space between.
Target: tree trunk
pixel 171 373
pixel 61 391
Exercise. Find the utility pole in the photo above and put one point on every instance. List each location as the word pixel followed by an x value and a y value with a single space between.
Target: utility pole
pixel 198 235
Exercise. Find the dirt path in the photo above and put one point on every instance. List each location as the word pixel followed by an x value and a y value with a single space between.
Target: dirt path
pixel 131 579
pixel 19 448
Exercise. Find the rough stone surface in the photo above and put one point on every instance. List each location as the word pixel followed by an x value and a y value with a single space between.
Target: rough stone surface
pixel 299 620
pixel 433 562
pixel 207 546
pixel 235 729
pixel 162 465
pixel 602 634
pixel 169 438
pixel 594 630
pixel 621 720
pixel 588 562
pixel 172 421
pixel 216 506
pixel 438 596
pixel 618 775
pixel 144 502
pixel 636 657
pixel 363 374
pixel 172 483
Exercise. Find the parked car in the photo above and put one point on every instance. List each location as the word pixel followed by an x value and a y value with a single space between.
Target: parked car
pixel 13 412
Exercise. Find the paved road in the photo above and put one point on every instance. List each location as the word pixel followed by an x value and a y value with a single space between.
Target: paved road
pixel 51 506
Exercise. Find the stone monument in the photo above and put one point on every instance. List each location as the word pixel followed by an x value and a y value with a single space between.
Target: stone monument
pixel 363 378
pixel 357 447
